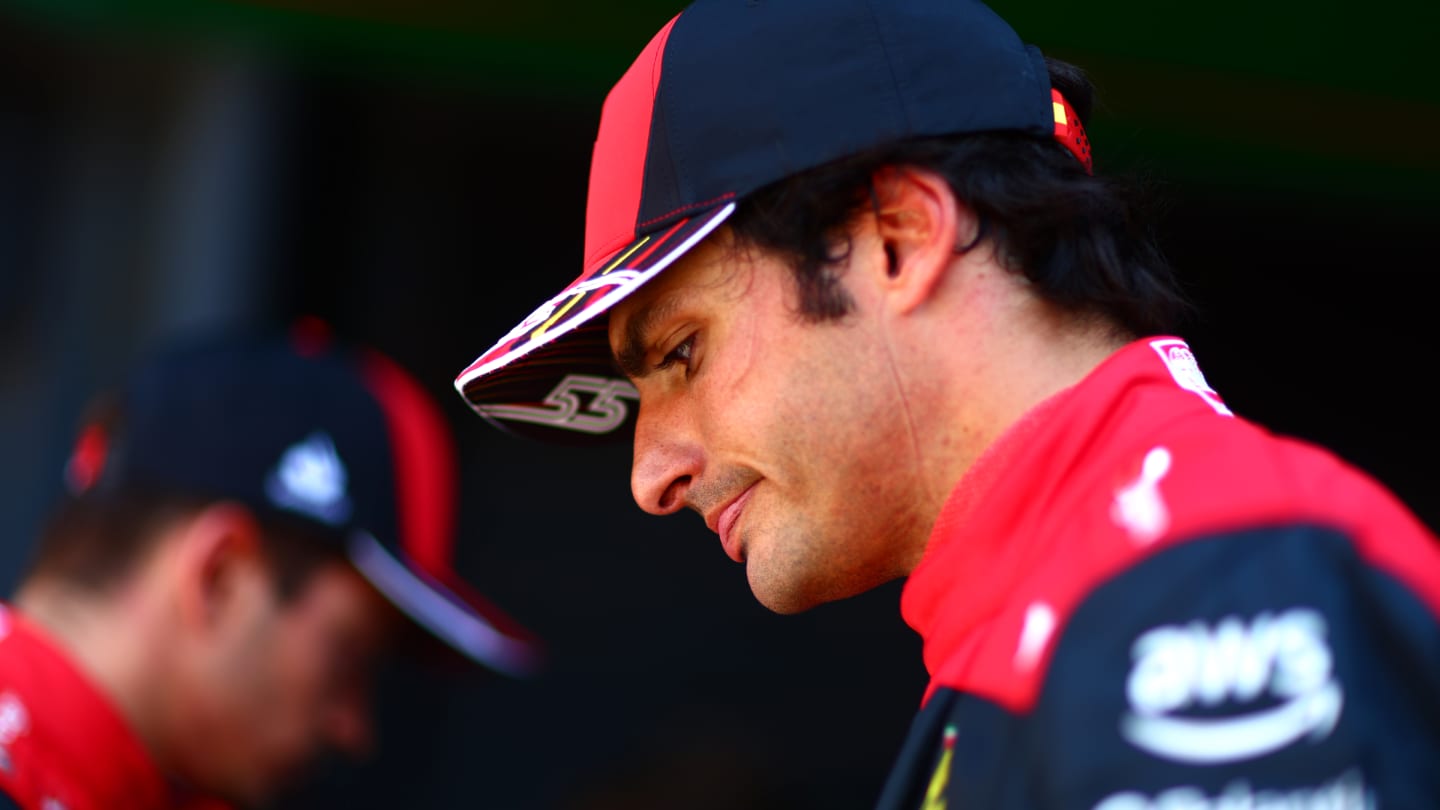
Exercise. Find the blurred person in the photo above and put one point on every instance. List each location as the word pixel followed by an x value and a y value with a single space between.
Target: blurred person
pixel 255 525
pixel 884 320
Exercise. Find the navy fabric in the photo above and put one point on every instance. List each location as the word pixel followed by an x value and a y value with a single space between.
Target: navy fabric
pixel 248 400
pixel 752 91
pixel 1370 638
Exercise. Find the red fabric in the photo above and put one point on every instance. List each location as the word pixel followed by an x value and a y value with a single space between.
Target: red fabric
pixel 1070 131
pixel 617 167
pixel 425 466
pixel 87 461
pixel 426 478
pixel 1038 521
pixel 63 745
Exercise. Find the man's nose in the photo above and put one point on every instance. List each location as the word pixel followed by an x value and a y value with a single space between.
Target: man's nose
pixel 668 458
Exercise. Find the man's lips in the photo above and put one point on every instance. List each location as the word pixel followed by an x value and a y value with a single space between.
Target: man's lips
pixel 725 525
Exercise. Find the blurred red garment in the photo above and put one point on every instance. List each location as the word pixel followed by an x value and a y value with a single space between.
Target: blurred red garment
pixel 63 744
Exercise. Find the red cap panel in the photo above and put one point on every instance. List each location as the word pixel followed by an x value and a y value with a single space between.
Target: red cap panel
pixel 617 166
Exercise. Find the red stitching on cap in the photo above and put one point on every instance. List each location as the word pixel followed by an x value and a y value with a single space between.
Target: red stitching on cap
pixel 726 197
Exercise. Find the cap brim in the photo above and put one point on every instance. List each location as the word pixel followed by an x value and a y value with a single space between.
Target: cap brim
pixel 534 379
pixel 470 626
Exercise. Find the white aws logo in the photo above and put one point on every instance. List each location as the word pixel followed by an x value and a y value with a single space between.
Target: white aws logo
pixel 1195 666
pixel 310 479
pixel 605 412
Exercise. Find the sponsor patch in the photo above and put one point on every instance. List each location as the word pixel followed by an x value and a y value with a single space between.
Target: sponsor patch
pixel 935 792
pixel 1138 507
pixel 1186 371
pixel 1040 623
pixel 1206 694
pixel 1348 792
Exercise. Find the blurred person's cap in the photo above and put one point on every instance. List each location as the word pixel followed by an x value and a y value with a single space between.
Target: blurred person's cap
pixel 338 437
pixel 729 97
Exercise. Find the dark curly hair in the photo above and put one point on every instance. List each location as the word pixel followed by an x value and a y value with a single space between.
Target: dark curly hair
pixel 1081 239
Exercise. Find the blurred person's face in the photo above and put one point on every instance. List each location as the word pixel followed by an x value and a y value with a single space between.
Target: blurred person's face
pixel 784 434
pixel 272 683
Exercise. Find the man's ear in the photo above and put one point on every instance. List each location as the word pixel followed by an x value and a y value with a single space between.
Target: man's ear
pixel 920 224
pixel 219 564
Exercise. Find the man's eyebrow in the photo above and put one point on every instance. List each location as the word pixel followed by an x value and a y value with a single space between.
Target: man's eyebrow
pixel 631 357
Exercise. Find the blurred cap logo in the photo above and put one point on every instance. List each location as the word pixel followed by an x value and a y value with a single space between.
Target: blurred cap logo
pixel 311 479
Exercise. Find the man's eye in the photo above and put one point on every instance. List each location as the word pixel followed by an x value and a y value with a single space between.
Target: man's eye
pixel 680 354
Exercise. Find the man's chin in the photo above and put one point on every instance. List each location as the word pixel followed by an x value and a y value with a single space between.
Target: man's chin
pixel 778 593
pixel 792 589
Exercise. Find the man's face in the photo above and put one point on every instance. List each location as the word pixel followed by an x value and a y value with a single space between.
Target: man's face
pixel 786 435
pixel 289 680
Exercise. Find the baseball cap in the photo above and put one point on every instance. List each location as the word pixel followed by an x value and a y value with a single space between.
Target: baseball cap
pixel 337 437
pixel 728 97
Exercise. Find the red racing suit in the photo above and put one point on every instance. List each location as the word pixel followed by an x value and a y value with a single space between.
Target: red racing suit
pixel 63 744
pixel 1136 600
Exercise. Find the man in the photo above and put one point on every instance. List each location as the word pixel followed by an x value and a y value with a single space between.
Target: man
pixel 254 525
pixel 883 321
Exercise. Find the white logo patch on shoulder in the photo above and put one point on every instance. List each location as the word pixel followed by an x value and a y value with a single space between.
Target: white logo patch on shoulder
pixel 1138 507
pixel 1040 623
pixel 14 718
pixel 1282 659
pixel 1186 371
pixel 311 479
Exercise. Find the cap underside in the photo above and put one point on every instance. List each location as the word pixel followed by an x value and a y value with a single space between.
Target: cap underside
pixel 571 385
pixel 445 614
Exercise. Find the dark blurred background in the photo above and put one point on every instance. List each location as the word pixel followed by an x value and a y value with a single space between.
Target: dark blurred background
pixel 415 173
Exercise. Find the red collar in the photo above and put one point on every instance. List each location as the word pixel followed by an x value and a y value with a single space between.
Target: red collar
pixel 63 744
pixel 985 539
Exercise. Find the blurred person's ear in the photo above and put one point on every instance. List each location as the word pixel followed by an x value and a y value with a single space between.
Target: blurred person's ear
pixel 220 568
